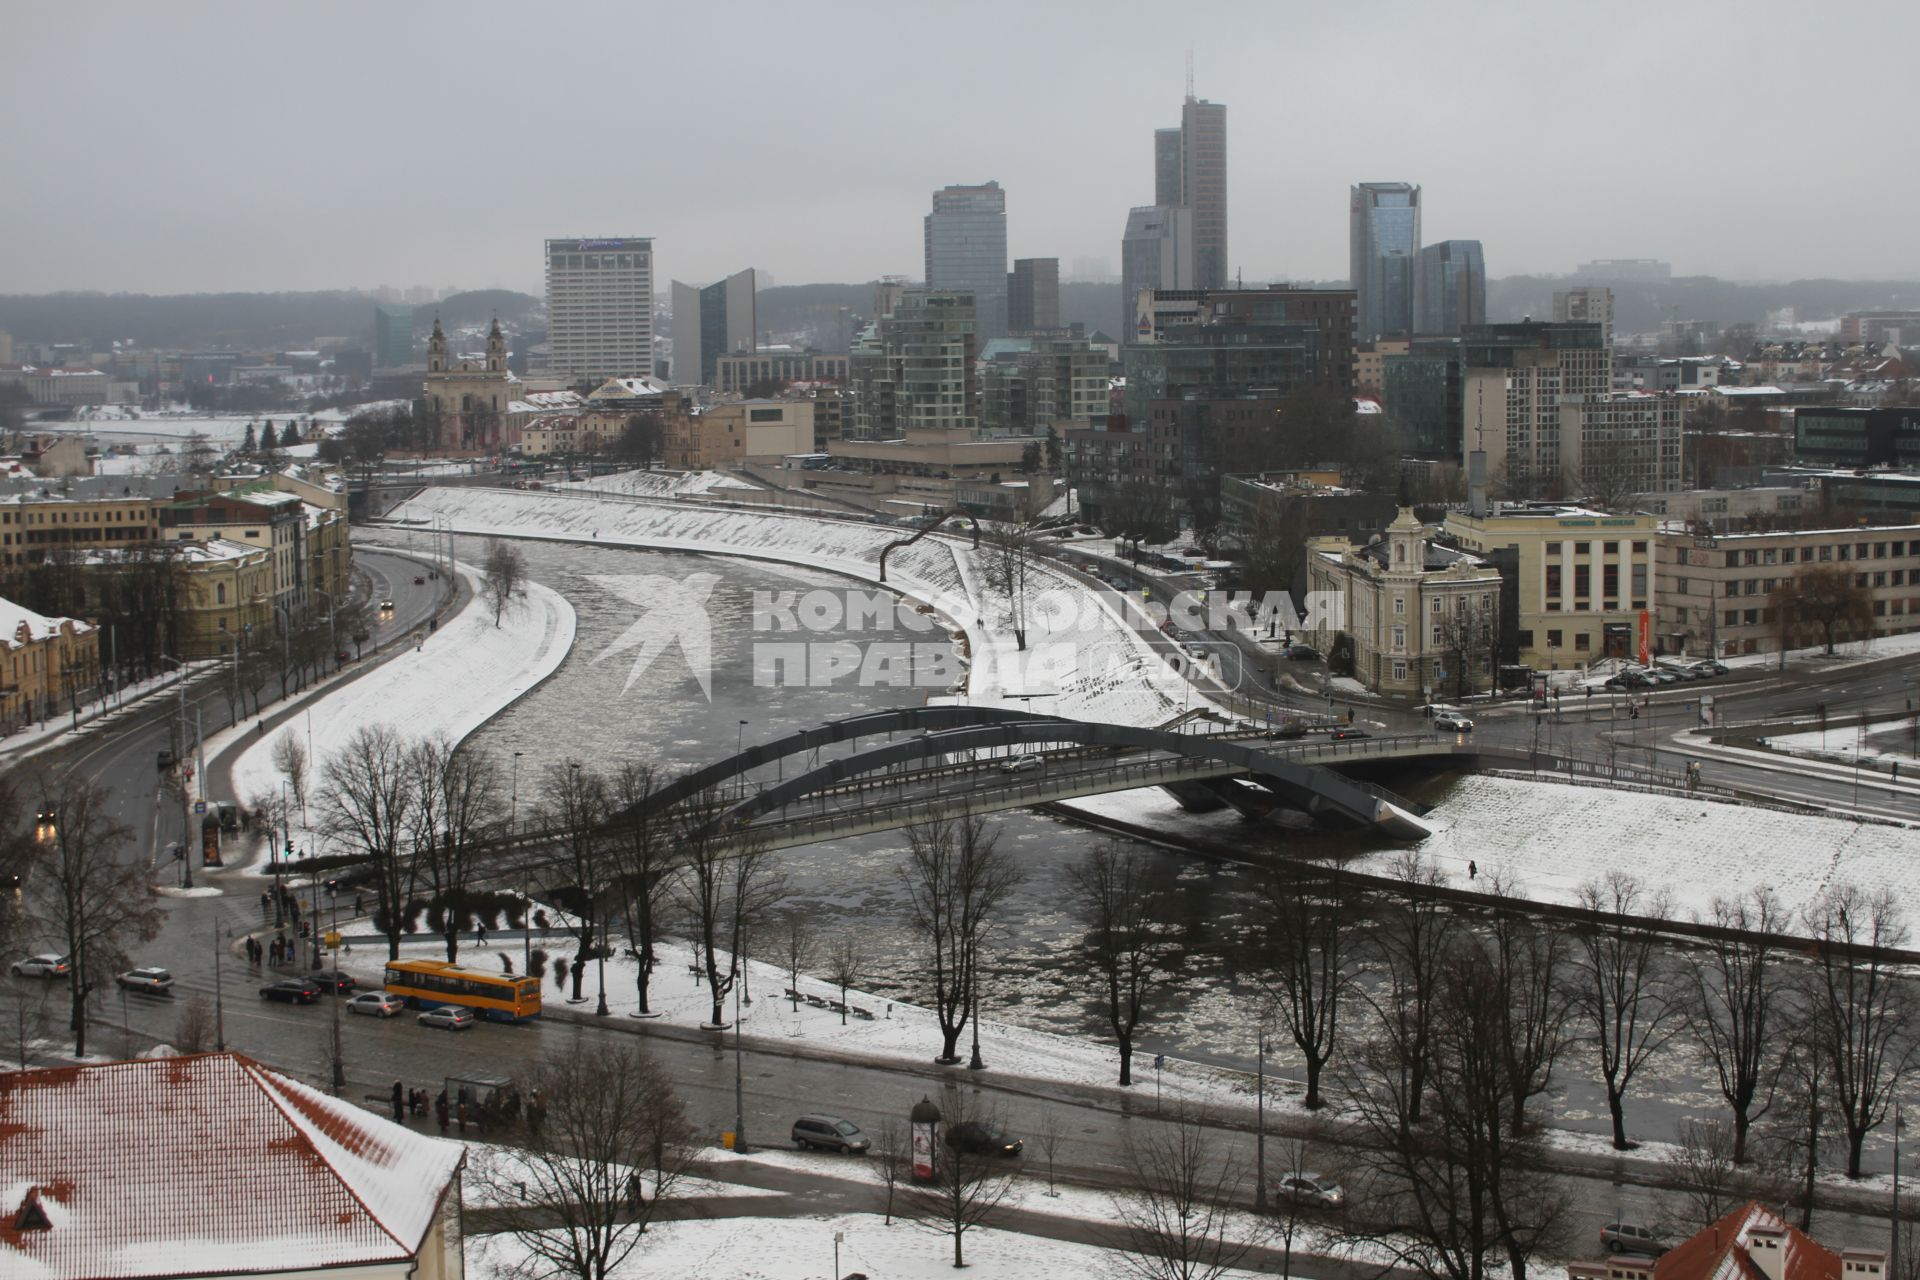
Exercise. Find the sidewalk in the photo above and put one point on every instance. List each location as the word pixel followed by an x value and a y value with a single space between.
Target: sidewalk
pixel 106 715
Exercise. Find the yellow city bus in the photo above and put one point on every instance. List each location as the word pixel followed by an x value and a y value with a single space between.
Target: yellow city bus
pixel 426 984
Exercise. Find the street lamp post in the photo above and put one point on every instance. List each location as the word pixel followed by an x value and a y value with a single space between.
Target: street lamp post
pixel 219 1013
pixel 1260 1125
pixel 186 853
pixel 973 1017
pixel 739 1085
pixel 739 741
pixel 526 906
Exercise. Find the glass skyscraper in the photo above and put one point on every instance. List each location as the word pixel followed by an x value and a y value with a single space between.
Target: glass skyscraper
pixel 1450 287
pixel 1383 243
pixel 966 248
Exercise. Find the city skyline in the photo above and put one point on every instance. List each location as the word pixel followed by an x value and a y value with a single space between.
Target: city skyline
pixel 251 185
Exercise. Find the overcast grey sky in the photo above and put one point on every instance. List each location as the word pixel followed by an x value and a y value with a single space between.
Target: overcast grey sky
pixel 211 146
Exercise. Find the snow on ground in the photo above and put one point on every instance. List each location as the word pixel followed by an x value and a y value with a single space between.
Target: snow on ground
pixel 1551 838
pixel 1083 660
pixel 1843 745
pixel 659 484
pixel 493 1172
pixel 898 1031
pixel 458 678
pixel 802 1248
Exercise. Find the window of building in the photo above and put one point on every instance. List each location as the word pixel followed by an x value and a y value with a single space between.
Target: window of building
pixel 1731 618
pixel 1582 642
pixel 1399 637
pixel 1680 586
pixel 1749 557
pixel 1859 551
pixel 1752 617
pixel 1769 556
pixel 1826 553
pixel 1639 548
pixel 1897 549
pixel 1899 577
pixel 1436 635
pixel 1553 585
pixel 1399 671
pixel 1879 608
pixel 1553 639
pixel 1399 604
pixel 219 593
pixel 1580 548
pixel 1436 604
pixel 1524 638
pixel 1879 551
pixel 1860 580
pixel 1582 580
pixel 1786 555
pixel 1880 579
pixel 1610 581
pixel 1733 559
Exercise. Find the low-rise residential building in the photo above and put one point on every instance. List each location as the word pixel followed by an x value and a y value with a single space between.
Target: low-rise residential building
pixel 33 525
pixel 1747 1243
pixel 45 663
pixel 1420 620
pixel 1268 515
pixel 227 596
pixel 1714 588
pixel 211 1166
pixel 257 516
pixel 1728 510
pixel 1581 581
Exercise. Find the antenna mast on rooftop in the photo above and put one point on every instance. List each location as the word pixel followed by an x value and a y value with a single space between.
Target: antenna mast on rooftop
pixel 1189 73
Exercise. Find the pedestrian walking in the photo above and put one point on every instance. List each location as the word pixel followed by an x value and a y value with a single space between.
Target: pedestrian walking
pixel 1473 869
pixel 399 1103
pixel 359 908
pixel 1349 715
pixel 266 903
pixel 634 1196
pixel 480 933
pixel 440 1110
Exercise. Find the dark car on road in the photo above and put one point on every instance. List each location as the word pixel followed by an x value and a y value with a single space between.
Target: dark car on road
pixel 292 991
pixel 1341 735
pixel 333 982
pixel 976 1139
pixel 1303 653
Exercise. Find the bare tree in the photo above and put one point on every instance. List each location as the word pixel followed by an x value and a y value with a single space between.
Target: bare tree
pixel 1415 931
pixel 1120 906
pixel 574 809
pixel 643 857
pixel 1825 601
pixel 1789 1139
pixel 1709 1176
pixel 846 965
pixel 967 1187
pixel 956 878
pixel 27 1019
pixel 1463 1188
pixel 1179 1220
pixel 1009 571
pixel 1050 1134
pixel 1291 1213
pixel 290 758
pixel 1530 964
pixel 1307 933
pixel 1862 1009
pixel 798 946
pixel 84 894
pixel 458 807
pixel 1621 989
pixel 1733 992
pixel 365 800
pixel 572 1190
pixel 727 884
pixel 503 577
pixel 193 1032
pixel 890 1157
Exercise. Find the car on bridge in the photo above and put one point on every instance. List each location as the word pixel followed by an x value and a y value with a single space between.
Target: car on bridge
pixel 1022 764
pixel 47 966
pixel 1452 722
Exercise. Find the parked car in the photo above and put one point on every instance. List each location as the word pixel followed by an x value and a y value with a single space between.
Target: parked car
pixel 1303 653
pixel 378 1004
pixel 154 982
pixel 1631 1237
pixel 451 1016
pixel 292 991
pixel 1022 764
pixel 1710 667
pixel 1452 722
pixel 165 759
pixel 1315 1190
pixel 976 1139
pixel 830 1133
pixel 333 982
pixel 419 579
pixel 47 966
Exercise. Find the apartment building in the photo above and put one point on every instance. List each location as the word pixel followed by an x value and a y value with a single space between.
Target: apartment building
pixel 1713 588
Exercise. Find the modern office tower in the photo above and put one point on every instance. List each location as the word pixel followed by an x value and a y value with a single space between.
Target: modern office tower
pixel 1449 287
pixel 966 243
pixel 1033 295
pixel 1190 171
pixel 708 323
pixel 1589 304
pixel 600 307
pixel 1156 252
pixel 392 336
pixel 913 369
pixel 1167 162
pixel 1383 242
pixel 1203 187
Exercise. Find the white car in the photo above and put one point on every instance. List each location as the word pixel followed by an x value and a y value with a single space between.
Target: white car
pixel 1021 764
pixel 451 1016
pixel 47 966
pixel 1452 722
pixel 377 1003
pixel 151 980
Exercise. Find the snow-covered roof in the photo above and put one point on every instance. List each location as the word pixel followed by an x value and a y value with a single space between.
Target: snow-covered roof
pixel 39 626
pixel 207 1163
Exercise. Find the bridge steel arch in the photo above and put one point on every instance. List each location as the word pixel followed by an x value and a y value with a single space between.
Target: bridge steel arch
pixel 901 720
pixel 1317 789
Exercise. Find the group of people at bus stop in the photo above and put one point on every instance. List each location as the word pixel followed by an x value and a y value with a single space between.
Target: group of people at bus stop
pixel 501 1108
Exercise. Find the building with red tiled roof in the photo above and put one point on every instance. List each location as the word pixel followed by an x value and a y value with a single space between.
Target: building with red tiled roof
pixel 1748 1243
pixel 212 1166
